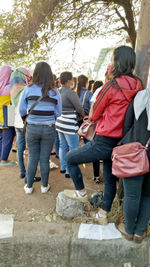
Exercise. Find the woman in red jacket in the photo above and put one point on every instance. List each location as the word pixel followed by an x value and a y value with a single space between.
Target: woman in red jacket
pixel 109 110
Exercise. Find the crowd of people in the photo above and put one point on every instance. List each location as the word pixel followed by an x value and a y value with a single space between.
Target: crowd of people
pixel 53 110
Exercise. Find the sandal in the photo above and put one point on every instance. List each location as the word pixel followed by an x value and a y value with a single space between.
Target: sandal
pixel 121 228
pixel 11 163
pixel 99 218
pixel 138 238
pixel 76 195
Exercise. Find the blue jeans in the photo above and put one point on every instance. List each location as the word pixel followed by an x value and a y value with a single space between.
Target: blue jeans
pixel 70 141
pixel 99 149
pixel 21 145
pixel 40 140
pixel 6 140
pixel 136 203
pixel 96 164
pixel 57 143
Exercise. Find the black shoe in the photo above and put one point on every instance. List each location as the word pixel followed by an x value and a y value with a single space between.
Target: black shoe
pixel 53 153
pixel 36 179
pixel 62 171
pixel 22 175
pixel 67 176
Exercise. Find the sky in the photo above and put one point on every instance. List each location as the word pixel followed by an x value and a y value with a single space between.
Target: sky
pixel 86 54
pixel 6 5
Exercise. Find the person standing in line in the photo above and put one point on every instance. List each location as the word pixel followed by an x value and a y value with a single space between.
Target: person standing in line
pixel 136 204
pixel 40 130
pixel 18 80
pixel 84 94
pixel 85 99
pixel 6 133
pixel 66 124
pixel 109 110
pixel 96 89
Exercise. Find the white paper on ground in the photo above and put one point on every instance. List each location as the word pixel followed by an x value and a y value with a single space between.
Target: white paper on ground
pixel 98 232
pixel 6 226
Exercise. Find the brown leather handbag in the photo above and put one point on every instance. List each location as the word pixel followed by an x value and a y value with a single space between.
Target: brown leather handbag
pixel 130 160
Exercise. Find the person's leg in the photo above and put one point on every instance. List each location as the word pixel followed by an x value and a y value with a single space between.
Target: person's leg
pixel 0 142
pixel 110 185
pixel 33 138
pixel 57 144
pixel 20 149
pixel 144 209
pixel 96 168
pixel 132 198
pixel 90 152
pixel 46 145
pixel 73 142
pixel 62 151
pixel 85 141
pixel 96 177
pixel 7 141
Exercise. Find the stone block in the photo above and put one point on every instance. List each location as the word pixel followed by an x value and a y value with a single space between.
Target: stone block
pixel 108 253
pixel 34 252
pixel 68 208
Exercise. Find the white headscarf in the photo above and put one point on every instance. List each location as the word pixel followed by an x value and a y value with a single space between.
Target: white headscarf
pixel 141 102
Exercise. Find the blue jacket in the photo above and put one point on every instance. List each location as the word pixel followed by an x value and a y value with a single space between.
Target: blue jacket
pixel 87 103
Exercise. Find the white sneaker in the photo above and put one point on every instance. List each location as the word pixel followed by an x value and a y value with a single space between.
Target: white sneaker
pixel 45 189
pixel 28 190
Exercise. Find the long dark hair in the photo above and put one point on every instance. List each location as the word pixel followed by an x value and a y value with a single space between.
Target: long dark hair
pixel 82 81
pixel 91 82
pixel 124 61
pixel 43 77
pixel 97 85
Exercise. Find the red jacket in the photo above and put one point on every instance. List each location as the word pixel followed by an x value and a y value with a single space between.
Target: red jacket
pixel 111 105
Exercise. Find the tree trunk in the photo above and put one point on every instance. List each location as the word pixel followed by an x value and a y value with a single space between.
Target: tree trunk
pixel 143 43
pixel 131 25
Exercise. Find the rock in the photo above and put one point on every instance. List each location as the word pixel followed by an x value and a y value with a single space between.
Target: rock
pixel 48 218
pixel 68 208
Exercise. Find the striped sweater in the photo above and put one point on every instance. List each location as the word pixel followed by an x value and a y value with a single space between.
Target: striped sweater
pixel 71 106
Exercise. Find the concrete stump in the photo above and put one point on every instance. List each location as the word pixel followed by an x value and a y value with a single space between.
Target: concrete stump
pixel 68 208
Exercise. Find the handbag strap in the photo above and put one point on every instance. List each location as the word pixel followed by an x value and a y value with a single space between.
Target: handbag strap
pixel 84 98
pixel 33 106
pixel 148 143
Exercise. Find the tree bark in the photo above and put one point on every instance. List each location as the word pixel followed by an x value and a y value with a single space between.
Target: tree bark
pixel 128 20
pixel 143 43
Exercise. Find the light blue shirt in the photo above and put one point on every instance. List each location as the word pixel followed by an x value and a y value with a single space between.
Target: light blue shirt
pixel 26 105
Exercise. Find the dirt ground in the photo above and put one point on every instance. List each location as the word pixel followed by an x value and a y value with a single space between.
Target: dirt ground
pixel 42 207
pixel 37 206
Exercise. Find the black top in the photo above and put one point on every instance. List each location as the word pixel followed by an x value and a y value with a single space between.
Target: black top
pixel 135 130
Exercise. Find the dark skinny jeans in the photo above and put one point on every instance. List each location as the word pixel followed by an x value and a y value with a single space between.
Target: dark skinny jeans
pixel 136 203
pixel 99 149
pixel 6 140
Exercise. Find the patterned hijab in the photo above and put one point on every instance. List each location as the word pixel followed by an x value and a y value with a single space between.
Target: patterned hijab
pixel 141 102
pixel 18 80
pixel 5 73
